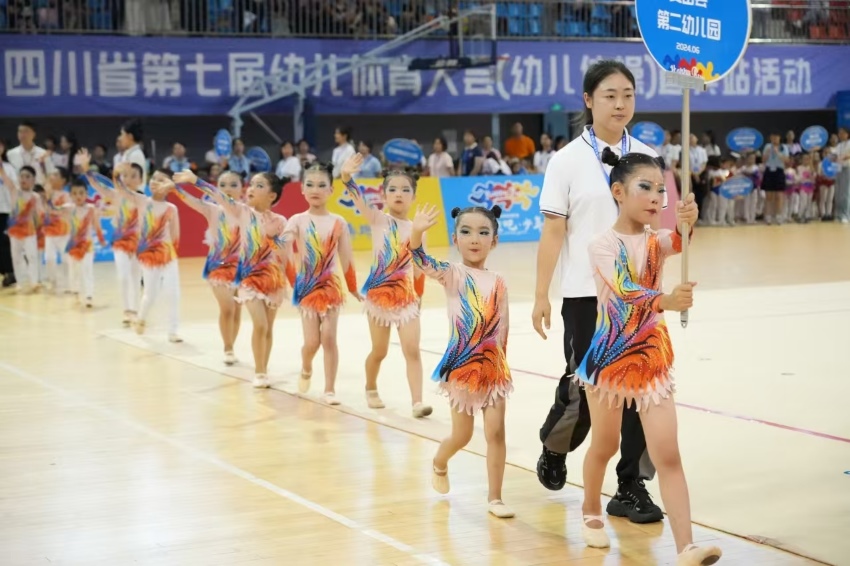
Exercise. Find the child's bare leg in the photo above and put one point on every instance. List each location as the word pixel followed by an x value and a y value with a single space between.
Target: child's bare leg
pixel 259 336
pixel 271 313
pixel 494 433
pixel 409 336
pixel 227 306
pixel 330 348
pixel 380 346
pixel 462 425
pixel 311 325
pixel 235 321
pixel 605 424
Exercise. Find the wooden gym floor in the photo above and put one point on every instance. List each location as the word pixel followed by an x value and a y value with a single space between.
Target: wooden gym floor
pixel 119 449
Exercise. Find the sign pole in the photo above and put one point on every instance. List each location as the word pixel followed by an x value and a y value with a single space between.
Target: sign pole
pixel 686 187
pixel 696 43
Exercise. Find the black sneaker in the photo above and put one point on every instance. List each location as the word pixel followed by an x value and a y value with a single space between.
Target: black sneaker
pixel 552 469
pixel 633 501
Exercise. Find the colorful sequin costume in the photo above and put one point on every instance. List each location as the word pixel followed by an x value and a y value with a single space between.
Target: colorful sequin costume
pixel 23 225
pixel 85 226
pixel 223 236
pixel 392 290
pixel 261 273
pixel 474 371
pixel 631 356
pixel 318 240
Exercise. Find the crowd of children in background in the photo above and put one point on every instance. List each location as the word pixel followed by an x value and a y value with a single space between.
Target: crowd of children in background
pixel 789 184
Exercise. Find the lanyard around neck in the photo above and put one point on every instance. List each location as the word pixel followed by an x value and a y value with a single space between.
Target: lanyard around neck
pixel 595 145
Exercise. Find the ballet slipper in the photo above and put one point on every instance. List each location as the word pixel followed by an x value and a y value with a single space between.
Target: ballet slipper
pixel 594 537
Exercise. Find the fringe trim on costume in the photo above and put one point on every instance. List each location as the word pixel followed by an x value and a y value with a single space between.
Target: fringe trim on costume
pixel 273 300
pixel 660 388
pixel 398 316
pixel 465 401
pixel 312 313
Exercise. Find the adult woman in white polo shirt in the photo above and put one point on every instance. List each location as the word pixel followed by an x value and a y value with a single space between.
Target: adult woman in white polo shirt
pixel 577 206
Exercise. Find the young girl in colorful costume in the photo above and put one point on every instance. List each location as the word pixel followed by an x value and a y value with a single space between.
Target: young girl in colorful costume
pixel 224 238
pixel 260 274
pixel 393 291
pixel 474 371
pixel 320 239
pixel 631 356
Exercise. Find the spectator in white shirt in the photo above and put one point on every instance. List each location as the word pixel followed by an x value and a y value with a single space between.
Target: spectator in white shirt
pixel 177 161
pixel 542 157
pixel 27 153
pixel 130 140
pixel 440 163
pixel 343 150
pixel 304 155
pixel 7 273
pixel 289 166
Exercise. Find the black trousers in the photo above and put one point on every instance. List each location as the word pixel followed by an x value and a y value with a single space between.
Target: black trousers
pixel 5 246
pixel 568 421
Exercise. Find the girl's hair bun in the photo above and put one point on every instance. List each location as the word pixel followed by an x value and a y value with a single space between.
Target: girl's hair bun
pixel 609 157
pixel 496 210
pixel 455 211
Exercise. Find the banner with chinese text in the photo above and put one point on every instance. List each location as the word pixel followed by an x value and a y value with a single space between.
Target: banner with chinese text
pixel 120 76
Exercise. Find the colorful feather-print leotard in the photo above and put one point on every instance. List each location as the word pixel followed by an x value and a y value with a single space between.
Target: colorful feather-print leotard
pixel 23 221
pixel 223 236
pixel 156 247
pixel 631 357
pixel 474 370
pixel 319 240
pixel 84 226
pixel 260 272
pixel 55 223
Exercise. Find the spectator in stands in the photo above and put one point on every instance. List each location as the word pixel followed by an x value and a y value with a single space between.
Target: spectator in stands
pixel 237 162
pixel 211 156
pixel 542 157
pixel 560 143
pixel 519 145
pixel 699 160
pixel 27 153
pixel 440 163
pixel 130 142
pixel 177 161
pixel 472 158
pixel 709 144
pixel 487 147
pixel 99 163
pixel 371 168
pixel 343 150
pixel 289 166
pixel 304 155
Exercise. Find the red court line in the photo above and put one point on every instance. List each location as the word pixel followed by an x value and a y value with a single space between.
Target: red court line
pixel 706 410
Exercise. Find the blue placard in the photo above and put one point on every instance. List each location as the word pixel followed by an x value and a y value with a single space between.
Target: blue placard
pixel 649 133
pixel 223 143
pixel 703 38
pixel 736 187
pixel 830 168
pixel 518 196
pixel 259 160
pixel 814 137
pixel 400 150
pixel 744 139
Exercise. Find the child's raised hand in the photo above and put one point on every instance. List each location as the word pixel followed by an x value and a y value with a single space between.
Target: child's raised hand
pixel 351 166
pixel 681 299
pixel 426 217
pixel 357 295
pixel 83 159
pixel 687 211
pixel 185 178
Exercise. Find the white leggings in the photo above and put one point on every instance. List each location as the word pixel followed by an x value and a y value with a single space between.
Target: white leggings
pixel 56 261
pixel 82 275
pixel 129 279
pixel 25 261
pixel 165 280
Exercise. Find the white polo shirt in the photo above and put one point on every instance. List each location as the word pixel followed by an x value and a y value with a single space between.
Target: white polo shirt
pixel 575 188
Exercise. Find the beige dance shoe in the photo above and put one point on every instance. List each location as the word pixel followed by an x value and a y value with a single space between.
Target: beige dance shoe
pixel 694 555
pixel 594 536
